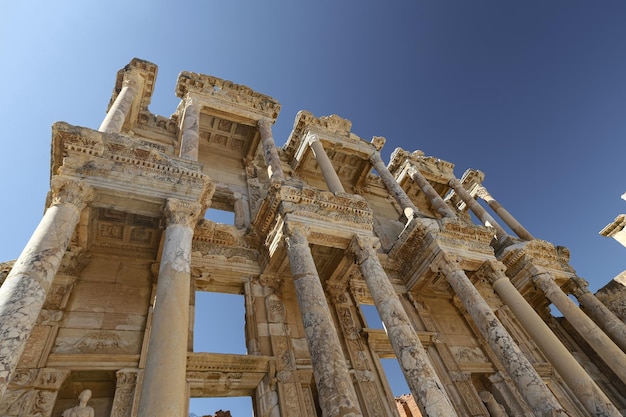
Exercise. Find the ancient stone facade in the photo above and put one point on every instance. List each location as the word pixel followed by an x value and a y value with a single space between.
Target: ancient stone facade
pixel 101 299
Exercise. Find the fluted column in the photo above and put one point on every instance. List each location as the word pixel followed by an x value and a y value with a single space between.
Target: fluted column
pixel 529 383
pixel 419 373
pixel 574 375
pixel 336 393
pixel 476 208
pixel 25 288
pixel 190 136
pixel 435 199
pixel 393 187
pixel 272 160
pixel 328 171
pixel 610 353
pixel 163 392
pixel 508 219
pixel 613 327
pixel 114 120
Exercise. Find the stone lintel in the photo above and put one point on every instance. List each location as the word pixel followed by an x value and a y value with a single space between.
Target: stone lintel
pixel 227 374
pixel 325 126
pixel 378 340
pixel 226 96
pixel 89 361
pixel 616 230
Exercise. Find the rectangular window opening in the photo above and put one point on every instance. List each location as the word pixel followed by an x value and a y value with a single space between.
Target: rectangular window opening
pixel 395 377
pixel 219 406
pixel 219 323
pixel 220 216
pixel 370 314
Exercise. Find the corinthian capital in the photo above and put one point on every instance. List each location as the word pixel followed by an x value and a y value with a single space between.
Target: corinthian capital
pixel 68 191
pixel 183 213
pixel 364 247
pixel 483 193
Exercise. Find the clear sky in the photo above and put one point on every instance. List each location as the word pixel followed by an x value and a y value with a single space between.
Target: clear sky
pixel 532 93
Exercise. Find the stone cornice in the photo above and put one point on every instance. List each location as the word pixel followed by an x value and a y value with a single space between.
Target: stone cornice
pixel 121 163
pixel 227 96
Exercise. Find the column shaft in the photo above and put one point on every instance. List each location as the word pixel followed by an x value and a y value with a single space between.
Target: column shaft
pixel 508 219
pixel 476 208
pixel 419 372
pixel 164 391
pixel 114 120
pixel 190 137
pixel 24 291
pixel 610 353
pixel 337 396
pixel 328 171
pixel 435 199
pixel 529 383
pixel 599 313
pixel 272 160
pixel 574 375
pixel 393 187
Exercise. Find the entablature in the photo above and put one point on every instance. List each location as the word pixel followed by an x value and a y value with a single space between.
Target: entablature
pixel 348 153
pixel 424 240
pixel 437 172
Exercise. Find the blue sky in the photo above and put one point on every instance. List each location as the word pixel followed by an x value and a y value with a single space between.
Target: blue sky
pixel 532 93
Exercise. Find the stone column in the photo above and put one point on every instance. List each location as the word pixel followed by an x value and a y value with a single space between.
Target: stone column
pixel 476 208
pixel 426 387
pixel 164 392
pixel 328 171
pixel 114 120
pixel 613 326
pixel 272 160
pixel 574 375
pixel 190 135
pixel 495 409
pixel 508 219
pixel 337 397
pixel 435 199
pixel 529 383
pixel 25 288
pixel 393 187
pixel 610 353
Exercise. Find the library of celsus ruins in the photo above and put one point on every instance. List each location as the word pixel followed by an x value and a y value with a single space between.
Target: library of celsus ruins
pixel 97 313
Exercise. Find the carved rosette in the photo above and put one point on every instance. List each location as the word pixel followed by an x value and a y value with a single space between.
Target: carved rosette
pixel 67 191
pixel 183 213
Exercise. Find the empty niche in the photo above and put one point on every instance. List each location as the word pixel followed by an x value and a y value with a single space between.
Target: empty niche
pixel 219 323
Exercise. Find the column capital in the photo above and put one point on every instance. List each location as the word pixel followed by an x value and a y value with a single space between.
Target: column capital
pixel 296 233
pixel 482 192
pixel 577 286
pixel 183 213
pixel 69 191
pixel 364 247
pixel 445 263
pixel 492 271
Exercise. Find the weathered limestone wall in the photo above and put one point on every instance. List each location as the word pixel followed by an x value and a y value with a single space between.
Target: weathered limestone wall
pixel 103 297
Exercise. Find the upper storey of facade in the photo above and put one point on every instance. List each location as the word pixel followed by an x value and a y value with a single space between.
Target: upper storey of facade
pixel 217 149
